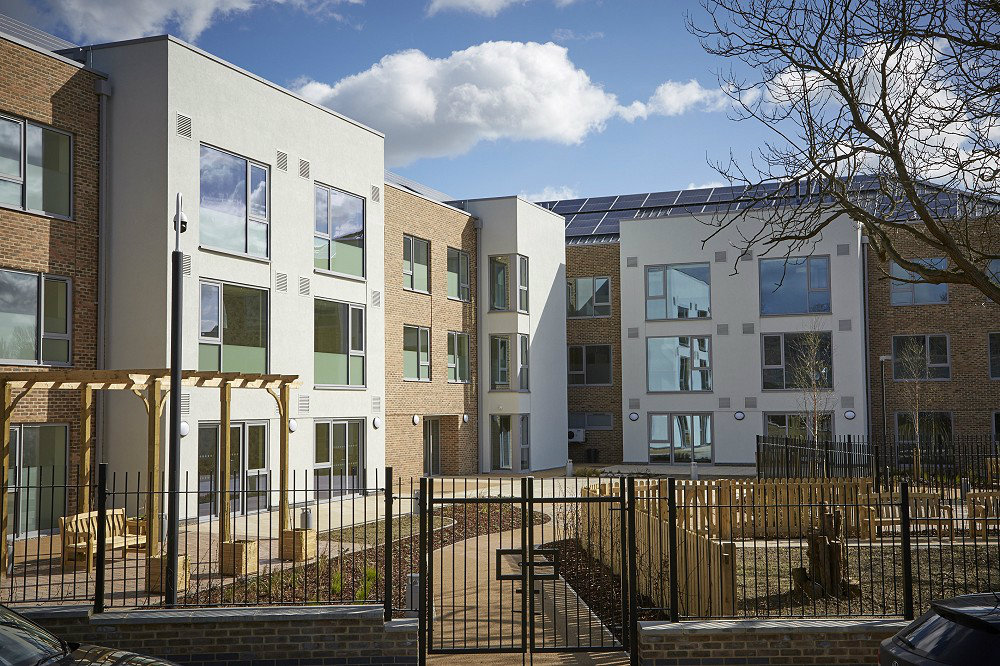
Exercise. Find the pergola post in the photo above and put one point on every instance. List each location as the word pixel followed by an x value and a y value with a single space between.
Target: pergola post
pixel 154 400
pixel 86 446
pixel 5 419
pixel 283 409
pixel 225 447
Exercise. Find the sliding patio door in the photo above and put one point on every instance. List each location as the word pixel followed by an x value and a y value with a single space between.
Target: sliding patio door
pixel 38 478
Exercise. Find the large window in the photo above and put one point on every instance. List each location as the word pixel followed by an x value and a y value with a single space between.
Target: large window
pixel 34 319
pixel 416 264
pixel 588 297
pixel 233 334
pixel 35 168
pixel 797 360
pixel 37 482
pixel 920 357
pixel 796 285
pixel 338 466
pixel 678 364
pixel 339 237
pixel 678 292
pixel 994 343
pixel 680 438
pixel 934 427
pixel 590 365
pixel 798 426
pixel 458 357
pixel 522 361
pixel 499 362
pixel 501 289
pixel 500 444
pixel 458 275
pixel 338 343
pixel 908 288
pixel 592 420
pixel 233 206
pixel 416 353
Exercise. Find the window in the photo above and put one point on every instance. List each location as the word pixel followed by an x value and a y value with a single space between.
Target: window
pixel 233 203
pixel 339 465
pixel 338 343
pixel 994 342
pixel 499 277
pixel 588 297
pixel 458 357
pixel 499 362
pixel 233 335
pixel 920 357
pixel 500 449
pixel 796 285
pixel 37 482
pixel 678 292
pixel 920 292
pixel 34 319
pixel 416 264
pixel 458 275
pixel 35 169
pixel 680 438
pixel 591 420
pixel 339 236
pixel 522 361
pixel 525 442
pixel 993 270
pixel 796 360
pixel 996 426
pixel 590 365
pixel 678 364
pixel 934 427
pixel 798 426
pixel 522 284
pixel 416 353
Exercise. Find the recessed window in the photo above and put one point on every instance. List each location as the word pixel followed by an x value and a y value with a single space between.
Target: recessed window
pixel 416 353
pixel 994 342
pixel 500 444
pixel 339 235
pixel 458 357
pixel 591 420
pixel 416 264
pixel 588 297
pixel 907 288
pixel 679 363
pixel 799 426
pixel 796 285
pixel 920 357
pixel 458 275
pixel 797 360
pixel 680 291
pixel 338 343
pixel 233 203
pixel 589 365
pixel 522 283
pixel 501 289
pixel 680 438
pixel 34 319
pixel 35 168
pixel 927 427
pixel 499 362
pixel 233 335
pixel 522 361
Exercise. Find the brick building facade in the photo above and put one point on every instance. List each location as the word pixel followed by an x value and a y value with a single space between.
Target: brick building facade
pixel 49 111
pixel 448 400
pixel 957 315
pixel 603 444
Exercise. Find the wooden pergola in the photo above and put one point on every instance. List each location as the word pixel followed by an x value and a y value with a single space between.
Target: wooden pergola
pixel 152 387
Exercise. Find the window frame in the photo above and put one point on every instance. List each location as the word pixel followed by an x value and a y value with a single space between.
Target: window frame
pixel 495 421
pixel 362 451
pixel 784 361
pixel 900 285
pixel 219 341
pixel 524 440
pixel 897 414
pixel 809 289
pixel 593 304
pixel 586 420
pixel 466 285
pixel 523 352
pixel 16 453
pixel 990 353
pixel 40 335
pixel 670 435
pixel 831 414
pixel 691 368
pixel 351 351
pixel 409 272
pixel 23 162
pixel 423 336
pixel 584 348
pixel 523 303
pixel 329 236
pixel 665 282
pixel 927 357
pixel 503 259
pixel 458 364
pixel 248 217
pixel 495 369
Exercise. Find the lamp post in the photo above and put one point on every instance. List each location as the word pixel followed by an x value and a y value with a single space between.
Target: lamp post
pixel 885 419
pixel 174 451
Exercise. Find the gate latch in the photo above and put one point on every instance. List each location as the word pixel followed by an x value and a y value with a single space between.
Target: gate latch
pixel 534 562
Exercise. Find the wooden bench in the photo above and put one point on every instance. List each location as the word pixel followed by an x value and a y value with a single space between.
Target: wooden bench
pixel 79 535
pixel 884 510
pixel 983 508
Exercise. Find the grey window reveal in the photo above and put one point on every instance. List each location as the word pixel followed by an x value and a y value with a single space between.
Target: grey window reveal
pixel 796 285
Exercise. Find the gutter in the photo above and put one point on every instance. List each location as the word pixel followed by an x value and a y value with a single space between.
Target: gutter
pixel 103 90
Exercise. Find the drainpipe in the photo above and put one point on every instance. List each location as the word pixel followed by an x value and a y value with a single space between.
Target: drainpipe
pixel 480 422
pixel 867 338
pixel 103 89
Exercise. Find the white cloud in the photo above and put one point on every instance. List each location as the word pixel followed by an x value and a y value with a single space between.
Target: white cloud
pixel 567 35
pixel 482 7
pixel 674 98
pixel 551 193
pixel 109 20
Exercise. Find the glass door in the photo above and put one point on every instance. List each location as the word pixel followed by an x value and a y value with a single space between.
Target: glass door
pixel 38 478
pixel 500 442
pixel 339 458
pixel 432 446
pixel 248 469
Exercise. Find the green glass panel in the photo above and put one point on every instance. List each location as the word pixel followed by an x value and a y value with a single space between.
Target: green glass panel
pixel 244 329
pixel 237 358
pixel 208 357
pixel 410 344
pixel 55 351
pixel 10 193
pixel 10 149
pixel 453 268
pixel 348 257
pixel 55 306
pixel 257 239
pixel 330 368
pixel 321 253
pixel 47 179
pixel 421 265
pixel 357 371
pixel 331 339
pixel 322 442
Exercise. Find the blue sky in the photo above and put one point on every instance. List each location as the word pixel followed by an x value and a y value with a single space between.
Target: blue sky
pixel 490 112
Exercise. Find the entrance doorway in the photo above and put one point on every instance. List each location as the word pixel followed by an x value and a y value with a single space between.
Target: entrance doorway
pixel 432 446
pixel 248 469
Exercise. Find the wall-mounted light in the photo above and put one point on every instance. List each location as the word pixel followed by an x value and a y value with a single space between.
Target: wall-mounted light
pixel 849 415
pixel 633 416
pixel 739 416
pixel 465 418
pixel 376 423
pixel 185 428
pixel 416 419
pixel 293 425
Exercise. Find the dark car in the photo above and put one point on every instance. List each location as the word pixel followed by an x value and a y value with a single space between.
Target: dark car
pixel 24 643
pixel 964 630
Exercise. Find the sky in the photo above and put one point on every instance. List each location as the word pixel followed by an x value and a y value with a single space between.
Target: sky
pixel 542 98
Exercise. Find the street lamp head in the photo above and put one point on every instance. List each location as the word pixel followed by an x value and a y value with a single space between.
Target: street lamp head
pixel 885 357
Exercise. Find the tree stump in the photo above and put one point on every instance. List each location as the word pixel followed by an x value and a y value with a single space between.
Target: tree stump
pixel 825 551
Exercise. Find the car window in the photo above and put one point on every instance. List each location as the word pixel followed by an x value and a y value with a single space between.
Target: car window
pixel 950 642
pixel 24 643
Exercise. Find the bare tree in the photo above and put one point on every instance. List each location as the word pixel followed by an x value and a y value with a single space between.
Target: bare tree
pixel 883 111
pixel 812 375
pixel 910 365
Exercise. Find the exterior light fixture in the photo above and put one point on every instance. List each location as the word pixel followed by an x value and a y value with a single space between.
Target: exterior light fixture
pixel 739 416
pixel 465 418
pixel 185 429
pixel 633 416
pixel 849 415
pixel 293 425
pixel 376 423
pixel 416 419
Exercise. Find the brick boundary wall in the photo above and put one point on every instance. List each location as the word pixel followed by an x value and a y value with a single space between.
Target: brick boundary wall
pixel 271 636
pixel 803 641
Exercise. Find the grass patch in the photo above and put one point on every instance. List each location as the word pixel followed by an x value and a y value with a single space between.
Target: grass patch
pixel 403 527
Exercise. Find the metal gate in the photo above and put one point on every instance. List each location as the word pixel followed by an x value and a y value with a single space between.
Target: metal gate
pixel 483 542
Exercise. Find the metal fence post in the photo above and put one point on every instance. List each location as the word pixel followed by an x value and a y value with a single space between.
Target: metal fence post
pixel 904 512
pixel 102 536
pixel 633 616
pixel 672 546
pixel 388 544
pixel 623 556
pixel 421 500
